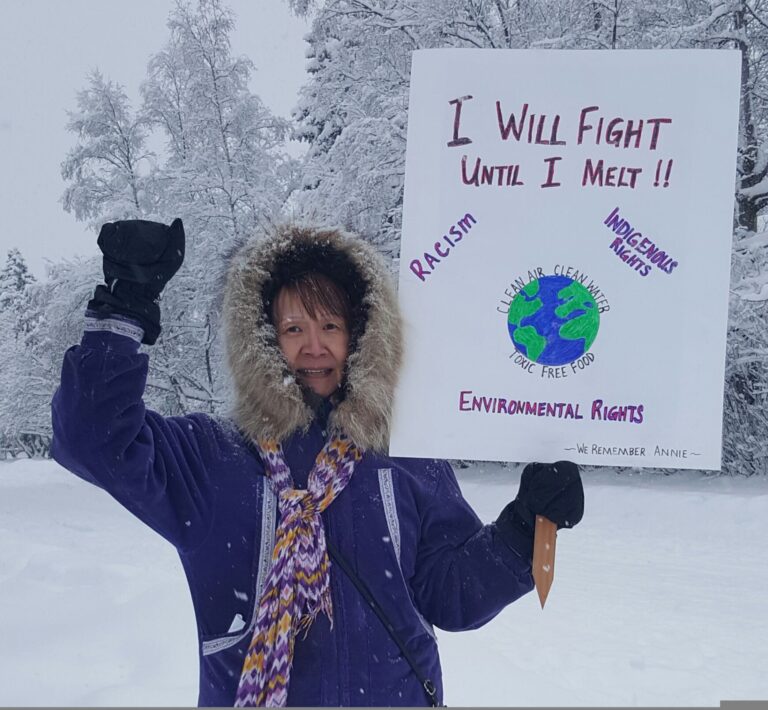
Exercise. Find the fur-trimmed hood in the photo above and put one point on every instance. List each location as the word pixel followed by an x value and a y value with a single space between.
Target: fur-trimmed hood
pixel 269 402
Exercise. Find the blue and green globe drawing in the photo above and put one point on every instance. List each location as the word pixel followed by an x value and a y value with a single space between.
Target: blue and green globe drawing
pixel 553 321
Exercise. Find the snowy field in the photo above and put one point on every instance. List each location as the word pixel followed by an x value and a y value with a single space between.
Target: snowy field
pixel 659 599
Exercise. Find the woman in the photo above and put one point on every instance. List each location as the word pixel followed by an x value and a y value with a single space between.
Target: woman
pixel 254 503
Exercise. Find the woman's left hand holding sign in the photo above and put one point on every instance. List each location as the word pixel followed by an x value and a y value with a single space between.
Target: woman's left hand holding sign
pixel 552 490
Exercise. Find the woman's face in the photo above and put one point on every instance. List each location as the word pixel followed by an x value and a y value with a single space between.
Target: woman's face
pixel 316 348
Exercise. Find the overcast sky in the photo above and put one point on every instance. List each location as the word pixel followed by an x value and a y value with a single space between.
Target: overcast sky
pixel 47 48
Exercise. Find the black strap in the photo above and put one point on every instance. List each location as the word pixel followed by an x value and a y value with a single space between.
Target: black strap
pixel 426 683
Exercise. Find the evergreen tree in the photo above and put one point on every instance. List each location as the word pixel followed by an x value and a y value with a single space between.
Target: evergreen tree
pixel 24 396
pixel 14 278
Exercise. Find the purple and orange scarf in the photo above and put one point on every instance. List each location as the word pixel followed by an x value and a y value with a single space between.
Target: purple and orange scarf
pixel 298 585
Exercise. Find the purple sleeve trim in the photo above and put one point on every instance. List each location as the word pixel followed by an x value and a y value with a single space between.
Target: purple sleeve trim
pixel 119 325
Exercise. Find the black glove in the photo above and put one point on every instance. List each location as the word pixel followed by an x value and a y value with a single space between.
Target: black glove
pixel 553 490
pixel 140 257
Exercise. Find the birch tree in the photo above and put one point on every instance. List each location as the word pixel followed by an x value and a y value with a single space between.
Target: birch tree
pixel 226 175
pixel 108 171
pixel 223 171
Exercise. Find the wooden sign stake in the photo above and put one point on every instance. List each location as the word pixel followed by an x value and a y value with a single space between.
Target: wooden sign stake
pixel 544 556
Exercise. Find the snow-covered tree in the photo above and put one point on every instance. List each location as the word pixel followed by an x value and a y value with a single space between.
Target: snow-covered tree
pixel 15 376
pixel 745 445
pixel 226 170
pixel 353 114
pixel 22 428
pixel 109 170
pixel 223 171
pixel 225 174
pixel 14 278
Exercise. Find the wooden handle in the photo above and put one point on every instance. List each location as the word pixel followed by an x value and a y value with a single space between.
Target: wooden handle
pixel 544 537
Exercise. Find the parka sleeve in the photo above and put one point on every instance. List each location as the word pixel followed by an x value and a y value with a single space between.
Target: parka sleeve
pixel 465 574
pixel 103 433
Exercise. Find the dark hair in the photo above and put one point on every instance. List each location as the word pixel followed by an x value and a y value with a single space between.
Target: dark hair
pixel 332 271
pixel 318 294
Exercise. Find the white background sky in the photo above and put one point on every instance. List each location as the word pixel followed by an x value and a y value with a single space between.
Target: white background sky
pixel 47 48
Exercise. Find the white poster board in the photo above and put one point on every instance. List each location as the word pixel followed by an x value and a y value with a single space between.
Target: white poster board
pixel 565 255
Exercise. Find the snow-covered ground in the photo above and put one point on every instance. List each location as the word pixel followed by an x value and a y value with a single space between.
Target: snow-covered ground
pixel 659 599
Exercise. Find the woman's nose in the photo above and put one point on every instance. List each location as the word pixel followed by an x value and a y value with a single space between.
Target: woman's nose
pixel 314 344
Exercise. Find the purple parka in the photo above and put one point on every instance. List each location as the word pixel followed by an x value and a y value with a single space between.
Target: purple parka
pixel 402 524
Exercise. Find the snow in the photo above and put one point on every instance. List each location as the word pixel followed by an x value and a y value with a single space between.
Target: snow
pixel 658 599
pixel 237 624
pixel 752 243
pixel 762 295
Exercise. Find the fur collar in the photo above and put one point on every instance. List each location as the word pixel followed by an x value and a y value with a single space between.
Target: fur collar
pixel 268 401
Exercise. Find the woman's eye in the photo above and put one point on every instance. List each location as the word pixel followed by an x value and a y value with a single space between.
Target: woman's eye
pixel 332 326
pixel 292 329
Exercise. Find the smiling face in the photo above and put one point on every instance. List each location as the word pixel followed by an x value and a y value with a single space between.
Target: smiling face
pixel 315 344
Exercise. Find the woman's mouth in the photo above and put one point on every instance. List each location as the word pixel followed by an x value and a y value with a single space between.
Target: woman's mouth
pixel 314 372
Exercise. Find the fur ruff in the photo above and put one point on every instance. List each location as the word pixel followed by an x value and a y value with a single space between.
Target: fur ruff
pixel 269 402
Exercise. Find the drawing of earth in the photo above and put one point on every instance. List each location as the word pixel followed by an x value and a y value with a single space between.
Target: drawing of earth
pixel 553 321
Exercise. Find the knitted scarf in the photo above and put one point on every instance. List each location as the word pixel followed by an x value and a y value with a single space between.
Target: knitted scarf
pixel 298 585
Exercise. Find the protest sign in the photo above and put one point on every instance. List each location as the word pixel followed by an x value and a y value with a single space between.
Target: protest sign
pixel 565 255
